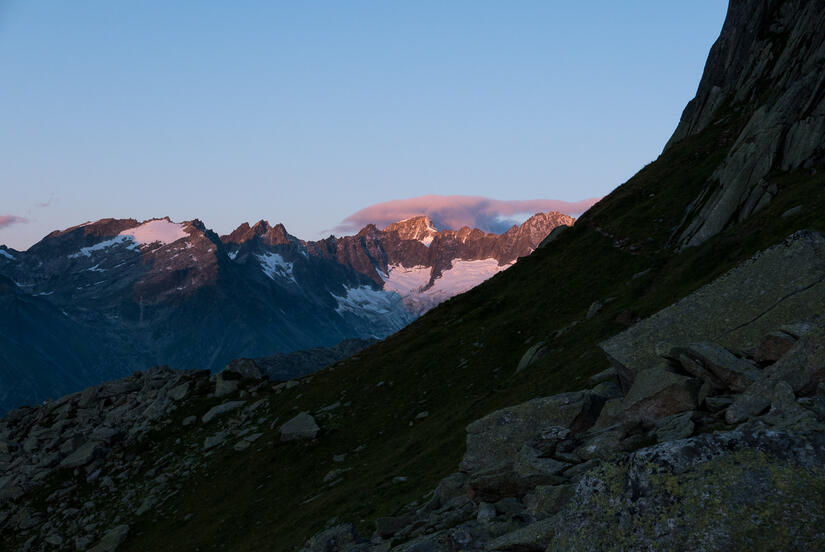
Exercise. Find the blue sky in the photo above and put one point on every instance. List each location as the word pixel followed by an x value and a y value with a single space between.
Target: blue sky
pixel 306 112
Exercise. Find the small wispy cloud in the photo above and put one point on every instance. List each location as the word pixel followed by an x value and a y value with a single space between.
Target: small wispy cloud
pixel 8 220
pixel 48 202
pixel 453 212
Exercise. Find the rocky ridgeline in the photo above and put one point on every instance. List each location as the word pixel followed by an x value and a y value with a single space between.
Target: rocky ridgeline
pixel 71 473
pixel 698 446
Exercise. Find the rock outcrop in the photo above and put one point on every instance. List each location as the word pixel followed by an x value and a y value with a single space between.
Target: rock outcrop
pixel 738 310
pixel 765 69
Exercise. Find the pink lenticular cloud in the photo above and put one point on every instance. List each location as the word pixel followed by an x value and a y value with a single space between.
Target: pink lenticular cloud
pixel 8 220
pixel 453 212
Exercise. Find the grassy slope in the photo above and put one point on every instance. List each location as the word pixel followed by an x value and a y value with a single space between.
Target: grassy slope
pixel 458 363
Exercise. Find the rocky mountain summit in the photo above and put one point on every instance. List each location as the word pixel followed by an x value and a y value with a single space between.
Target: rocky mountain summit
pixel 159 292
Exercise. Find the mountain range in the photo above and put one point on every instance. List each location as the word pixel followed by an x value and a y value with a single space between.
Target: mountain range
pixel 102 299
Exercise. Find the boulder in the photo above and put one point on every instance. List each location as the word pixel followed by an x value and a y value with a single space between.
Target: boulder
pixel 83 455
pixel 716 365
pixel 300 427
pixel 494 485
pixel 595 308
pixel 447 489
pixel 678 426
pixel 220 409
pixel 179 391
pixel 532 355
pixel 335 539
pixel 224 385
pixel 214 440
pixel 602 444
pixel 486 512
pixel 530 462
pixel 386 527
pixel 111 540
pixel 536 536
pixel 773 346
pixel 245 368
pixel 119 387
pixel 656 393
pixel 494 440
pixel 87 397
pixel 608 375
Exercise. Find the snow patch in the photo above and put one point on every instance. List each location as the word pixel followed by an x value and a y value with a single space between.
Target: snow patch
pixel 6 254
pixel 275 266
pixel 463 276
pixel 366 300
pixel 155 231
pixel 232 255
pixel 129 241
pixel 96 268
pixel 405 281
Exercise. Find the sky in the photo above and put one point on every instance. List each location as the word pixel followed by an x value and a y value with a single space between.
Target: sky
pixel 306 113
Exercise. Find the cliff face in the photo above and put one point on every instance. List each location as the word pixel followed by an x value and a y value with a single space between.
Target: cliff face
pixel 766 70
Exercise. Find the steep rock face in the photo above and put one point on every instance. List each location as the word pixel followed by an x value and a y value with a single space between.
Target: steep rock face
pixel 766 69
pixel 270 235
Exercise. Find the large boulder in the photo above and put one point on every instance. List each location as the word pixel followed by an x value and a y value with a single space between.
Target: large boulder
pixel 300 427
pixel 494 440
pixel 221 409
pixel 773 347
pixel 656 393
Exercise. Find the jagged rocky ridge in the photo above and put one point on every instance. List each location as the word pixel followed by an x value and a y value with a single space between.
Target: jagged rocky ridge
pixel 689 444
pixel 103 299
pixel 765 71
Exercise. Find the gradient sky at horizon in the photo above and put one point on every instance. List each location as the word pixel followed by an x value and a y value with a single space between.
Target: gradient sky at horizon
pixel 306 112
